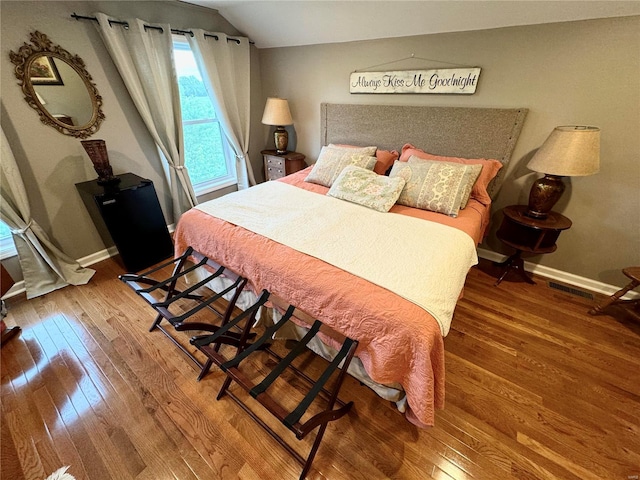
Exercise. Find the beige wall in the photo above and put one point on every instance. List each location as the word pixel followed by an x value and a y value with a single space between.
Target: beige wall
pixel 52 163
pixel 566 73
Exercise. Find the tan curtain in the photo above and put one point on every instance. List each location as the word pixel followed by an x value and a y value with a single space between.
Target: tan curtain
pixel 224 65
pixel 44 266
pixel 144 58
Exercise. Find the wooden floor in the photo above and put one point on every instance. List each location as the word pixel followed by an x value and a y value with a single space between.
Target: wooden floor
pixel 536 389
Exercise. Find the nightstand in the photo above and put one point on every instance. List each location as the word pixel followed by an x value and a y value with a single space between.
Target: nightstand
pixel 529 235
pixel 277 166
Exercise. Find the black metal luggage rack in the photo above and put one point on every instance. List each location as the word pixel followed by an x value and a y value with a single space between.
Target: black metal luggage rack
pixel 167 300
pixel 232 331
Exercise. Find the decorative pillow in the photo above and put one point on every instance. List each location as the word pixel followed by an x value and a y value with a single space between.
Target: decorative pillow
pixel 333 160
pixel 385 158
pixel 367 188
pixel 435 186
pixel 479 191
pixel 473 173
pixel 371 151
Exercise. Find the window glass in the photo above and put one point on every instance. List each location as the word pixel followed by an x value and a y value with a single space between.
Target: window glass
pixel 7 248
pixel 206 158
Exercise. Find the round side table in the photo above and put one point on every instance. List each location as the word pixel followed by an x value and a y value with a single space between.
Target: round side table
pixel 528 235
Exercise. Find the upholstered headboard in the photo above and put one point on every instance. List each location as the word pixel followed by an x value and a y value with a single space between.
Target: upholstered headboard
pixel 450 131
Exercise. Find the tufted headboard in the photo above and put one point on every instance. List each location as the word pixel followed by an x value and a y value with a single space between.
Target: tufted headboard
pixel 449 131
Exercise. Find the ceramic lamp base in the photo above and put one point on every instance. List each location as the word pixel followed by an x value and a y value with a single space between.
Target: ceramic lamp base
pixel 545 192
pixel 281 138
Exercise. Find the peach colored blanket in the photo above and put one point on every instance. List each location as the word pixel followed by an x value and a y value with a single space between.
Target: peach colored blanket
pixel 398 340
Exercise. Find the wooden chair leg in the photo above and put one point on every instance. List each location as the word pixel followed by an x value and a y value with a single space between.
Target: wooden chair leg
pixel 615 298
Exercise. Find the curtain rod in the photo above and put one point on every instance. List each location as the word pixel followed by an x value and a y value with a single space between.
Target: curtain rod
pixel 153 27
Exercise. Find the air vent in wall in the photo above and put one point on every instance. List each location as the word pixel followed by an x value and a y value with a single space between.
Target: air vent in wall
pixel 571 290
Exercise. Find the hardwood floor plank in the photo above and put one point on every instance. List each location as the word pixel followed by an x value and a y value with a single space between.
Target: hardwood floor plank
pixel 560 433
pixel 48 455
pixel 123 397
pixel 91 412
pixel 557 458
pixel 8 452
pixel 76 417
pixel 500 449
pixel 536 389
pixel 172 400
pixel 62 442
pixel 563 413
pixel 25 448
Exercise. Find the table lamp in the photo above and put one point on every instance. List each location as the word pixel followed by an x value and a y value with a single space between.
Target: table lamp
pixel 569 151
pixel 276 112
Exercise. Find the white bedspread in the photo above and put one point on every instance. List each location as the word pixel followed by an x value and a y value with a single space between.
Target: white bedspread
pixel 424 262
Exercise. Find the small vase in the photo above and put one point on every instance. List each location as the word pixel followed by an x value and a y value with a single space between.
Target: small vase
pixel 97 151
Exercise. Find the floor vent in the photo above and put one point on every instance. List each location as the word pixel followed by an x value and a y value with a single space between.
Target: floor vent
pixel 571 290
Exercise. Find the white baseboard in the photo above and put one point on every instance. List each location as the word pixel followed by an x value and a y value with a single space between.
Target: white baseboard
pixel 98 256
pixel 559 275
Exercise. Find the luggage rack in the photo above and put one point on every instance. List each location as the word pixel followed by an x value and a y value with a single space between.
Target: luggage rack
pixel 162 295
pixel 291 419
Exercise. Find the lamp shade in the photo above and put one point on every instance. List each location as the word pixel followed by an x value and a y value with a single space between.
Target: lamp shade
pixel 569 151
pixel 276 112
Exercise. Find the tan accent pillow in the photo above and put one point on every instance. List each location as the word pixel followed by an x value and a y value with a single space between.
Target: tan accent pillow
pixel 479 191
pixel 332 160
pixel 432 185
pixel 385 158
pixel 371 151
pixel 474 173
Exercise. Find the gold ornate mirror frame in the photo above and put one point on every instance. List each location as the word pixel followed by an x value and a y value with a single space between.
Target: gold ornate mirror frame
pixel 41 46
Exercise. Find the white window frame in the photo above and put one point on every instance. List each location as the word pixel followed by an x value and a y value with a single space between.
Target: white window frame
pixel 202 188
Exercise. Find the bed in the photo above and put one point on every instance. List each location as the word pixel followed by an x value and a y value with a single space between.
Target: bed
pixel 398 320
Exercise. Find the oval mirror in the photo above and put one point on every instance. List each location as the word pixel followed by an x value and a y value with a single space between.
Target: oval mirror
pixel 57 85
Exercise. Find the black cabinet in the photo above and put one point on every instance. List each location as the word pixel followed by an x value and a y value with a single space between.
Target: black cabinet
pixel 129 214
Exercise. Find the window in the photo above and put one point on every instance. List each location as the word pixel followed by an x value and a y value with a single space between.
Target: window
pixel 7 247
pixel 206 154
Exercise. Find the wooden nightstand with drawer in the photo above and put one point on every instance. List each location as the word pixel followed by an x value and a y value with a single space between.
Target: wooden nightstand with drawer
pixel 277 166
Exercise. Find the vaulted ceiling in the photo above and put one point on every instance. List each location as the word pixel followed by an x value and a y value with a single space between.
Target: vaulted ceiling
pixel 272 23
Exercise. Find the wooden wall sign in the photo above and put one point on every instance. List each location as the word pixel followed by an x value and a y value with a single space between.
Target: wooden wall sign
pixel 443 80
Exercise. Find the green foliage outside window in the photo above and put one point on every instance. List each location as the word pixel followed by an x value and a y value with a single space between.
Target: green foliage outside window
pixel 204 156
